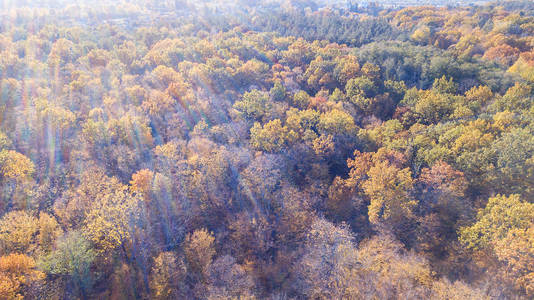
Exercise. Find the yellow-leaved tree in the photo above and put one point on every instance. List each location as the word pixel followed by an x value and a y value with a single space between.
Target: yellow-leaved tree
pixel 167 273
pixel 388 188
pixel 113 219
pixel 21 232
pixel 17 273
pixel 199 251
pixel 505 227
pixel 16 172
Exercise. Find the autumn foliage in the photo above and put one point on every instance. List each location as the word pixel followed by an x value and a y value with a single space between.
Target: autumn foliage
pixel 266 150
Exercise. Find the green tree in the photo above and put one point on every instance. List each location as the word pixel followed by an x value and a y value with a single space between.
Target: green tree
pixel 301 100
pixel 360 86
pixel 72 257
pixel 278 91
pixel 254 105
pixel 444 85
pixel 433 107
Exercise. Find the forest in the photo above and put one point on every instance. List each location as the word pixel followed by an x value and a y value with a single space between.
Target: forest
pixel 269 149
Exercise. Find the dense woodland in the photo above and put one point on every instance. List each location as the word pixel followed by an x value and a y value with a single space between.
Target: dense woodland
pixel 266 150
